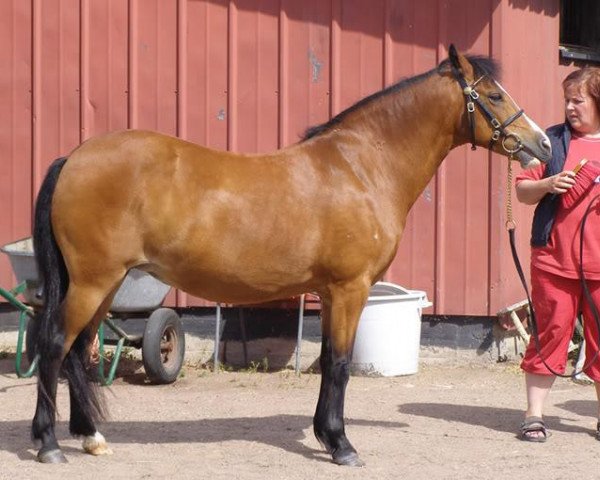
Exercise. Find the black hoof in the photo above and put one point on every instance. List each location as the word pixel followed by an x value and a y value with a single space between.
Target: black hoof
pixel 348 458
pixel 51 456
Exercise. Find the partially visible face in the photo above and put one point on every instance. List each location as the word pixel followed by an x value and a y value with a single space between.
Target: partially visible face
pixel 580 110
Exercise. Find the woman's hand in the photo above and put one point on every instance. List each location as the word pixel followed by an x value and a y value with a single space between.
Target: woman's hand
pixel 561 182
pixel 531 192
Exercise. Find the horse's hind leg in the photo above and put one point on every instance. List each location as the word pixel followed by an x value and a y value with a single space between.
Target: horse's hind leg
pixel 86 406
pixel 42 427
pixel 81 307
pixel 340 317
pixel 82 418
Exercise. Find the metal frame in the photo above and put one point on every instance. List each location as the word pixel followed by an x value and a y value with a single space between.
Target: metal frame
pixel 219 333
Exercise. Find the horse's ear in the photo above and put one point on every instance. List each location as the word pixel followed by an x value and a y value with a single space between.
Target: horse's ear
pixel 460 62
pixel 453 55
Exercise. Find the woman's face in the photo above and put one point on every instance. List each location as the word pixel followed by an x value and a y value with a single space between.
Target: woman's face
pixel 580 110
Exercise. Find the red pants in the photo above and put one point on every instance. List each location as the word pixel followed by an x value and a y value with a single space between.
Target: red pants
pixel 557 301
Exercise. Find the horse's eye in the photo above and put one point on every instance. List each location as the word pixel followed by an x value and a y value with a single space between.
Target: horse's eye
pixel 495 97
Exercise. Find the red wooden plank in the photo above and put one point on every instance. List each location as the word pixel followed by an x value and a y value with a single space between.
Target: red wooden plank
pixel 15 131
pixel 153 71
pixel 304 67
pixel 203 71
pixel 360 69
pixel 104 64
pixel 413 50
pixel 524 67
pixel 462 202
pixel 56 86
pixel 203 102
pixel 254 76
pixel 153 65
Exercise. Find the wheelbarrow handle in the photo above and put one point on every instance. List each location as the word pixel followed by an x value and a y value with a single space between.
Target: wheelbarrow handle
pixel 11 297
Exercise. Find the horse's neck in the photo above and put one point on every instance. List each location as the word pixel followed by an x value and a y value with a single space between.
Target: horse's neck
pixel 418 126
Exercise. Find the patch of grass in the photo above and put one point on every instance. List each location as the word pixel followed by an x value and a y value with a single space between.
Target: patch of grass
pixel 252 368
pixel 255 367
pixel 208 367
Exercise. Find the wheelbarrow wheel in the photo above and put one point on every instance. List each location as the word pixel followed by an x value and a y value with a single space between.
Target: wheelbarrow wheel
pixel 163 346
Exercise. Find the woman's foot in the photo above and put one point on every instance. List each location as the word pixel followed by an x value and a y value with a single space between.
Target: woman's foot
pixel 533 429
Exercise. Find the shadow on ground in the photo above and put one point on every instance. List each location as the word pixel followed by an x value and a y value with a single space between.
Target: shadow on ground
pixel 496 418
pixel 281 431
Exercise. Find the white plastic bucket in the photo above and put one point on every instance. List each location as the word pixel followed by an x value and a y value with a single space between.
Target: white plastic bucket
pixel 389 332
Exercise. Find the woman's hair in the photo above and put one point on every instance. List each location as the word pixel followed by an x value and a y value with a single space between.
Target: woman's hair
pixel 588 78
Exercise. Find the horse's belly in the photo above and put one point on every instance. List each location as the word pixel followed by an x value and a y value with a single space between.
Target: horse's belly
pixel 248 278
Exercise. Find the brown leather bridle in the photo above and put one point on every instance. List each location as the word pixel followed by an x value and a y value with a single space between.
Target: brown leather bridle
pixel 500 132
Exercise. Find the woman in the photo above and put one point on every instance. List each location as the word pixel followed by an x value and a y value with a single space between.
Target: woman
pixel 556 289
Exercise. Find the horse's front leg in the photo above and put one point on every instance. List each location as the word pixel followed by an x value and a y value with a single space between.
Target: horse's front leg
pixel 340 317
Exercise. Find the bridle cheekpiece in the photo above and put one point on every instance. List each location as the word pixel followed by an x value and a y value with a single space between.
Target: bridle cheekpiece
pixel 472 98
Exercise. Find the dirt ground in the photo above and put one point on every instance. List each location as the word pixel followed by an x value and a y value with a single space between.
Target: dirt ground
pixel 445 422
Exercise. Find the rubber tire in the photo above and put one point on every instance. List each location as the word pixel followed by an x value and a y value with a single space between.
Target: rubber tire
pixel 163 325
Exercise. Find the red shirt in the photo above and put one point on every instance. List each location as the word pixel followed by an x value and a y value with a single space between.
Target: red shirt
pixel 561 255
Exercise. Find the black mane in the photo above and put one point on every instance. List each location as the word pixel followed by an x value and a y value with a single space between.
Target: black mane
pixel 481 66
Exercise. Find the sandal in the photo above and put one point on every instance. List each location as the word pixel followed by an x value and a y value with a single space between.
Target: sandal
pixel 597 435
pixel 536 424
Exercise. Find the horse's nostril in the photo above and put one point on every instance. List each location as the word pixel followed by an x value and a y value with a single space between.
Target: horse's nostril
pixel 546 144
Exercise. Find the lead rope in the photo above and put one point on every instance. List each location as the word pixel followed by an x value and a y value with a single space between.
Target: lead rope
pixel 510 227
pixel 510 223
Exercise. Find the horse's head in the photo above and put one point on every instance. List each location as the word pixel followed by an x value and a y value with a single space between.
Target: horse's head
pixel 493 118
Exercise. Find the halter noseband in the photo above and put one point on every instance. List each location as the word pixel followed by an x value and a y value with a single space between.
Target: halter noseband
pixel 500 132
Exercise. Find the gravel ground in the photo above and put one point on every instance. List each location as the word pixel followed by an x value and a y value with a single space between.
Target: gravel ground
pixel 445 422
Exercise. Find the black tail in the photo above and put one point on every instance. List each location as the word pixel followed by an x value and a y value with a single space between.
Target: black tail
pixel 54 278
pixel 48 330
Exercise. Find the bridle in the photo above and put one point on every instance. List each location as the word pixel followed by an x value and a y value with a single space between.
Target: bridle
pixel 472 98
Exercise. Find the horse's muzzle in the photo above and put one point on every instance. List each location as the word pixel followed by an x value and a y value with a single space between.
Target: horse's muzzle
pixel 533 153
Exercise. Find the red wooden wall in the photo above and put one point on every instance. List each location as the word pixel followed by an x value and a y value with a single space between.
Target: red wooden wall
pixel 250 76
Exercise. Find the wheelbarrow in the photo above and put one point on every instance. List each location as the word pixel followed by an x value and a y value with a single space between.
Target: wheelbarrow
pixel 139 296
